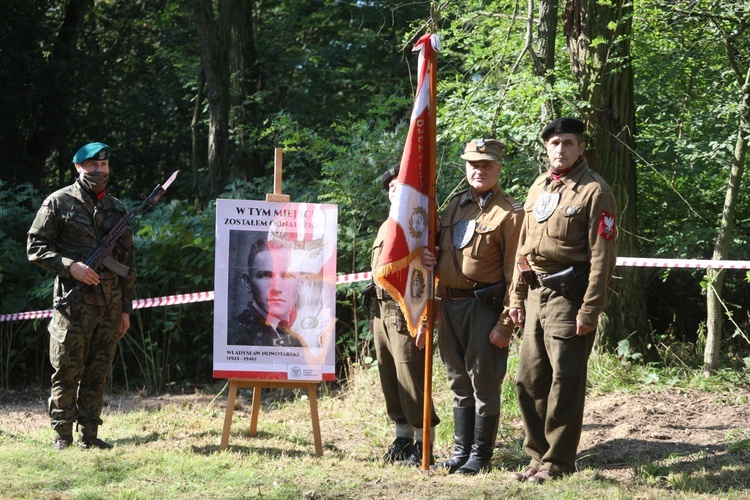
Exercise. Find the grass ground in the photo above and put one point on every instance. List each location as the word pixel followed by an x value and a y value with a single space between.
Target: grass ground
pixel 168 446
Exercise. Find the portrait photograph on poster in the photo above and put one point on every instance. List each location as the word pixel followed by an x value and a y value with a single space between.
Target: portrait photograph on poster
pixel 275 290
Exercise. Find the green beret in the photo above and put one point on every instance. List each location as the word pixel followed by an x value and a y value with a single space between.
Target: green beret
pixel 563 126
pixel 388 176
pixel 96 150
pixel 483 149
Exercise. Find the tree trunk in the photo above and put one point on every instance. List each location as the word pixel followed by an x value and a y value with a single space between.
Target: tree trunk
pixel 239 28
pixel 197 110
pixel 547 35
pixel 216 70
pixel 606 78
pixel 54 104
pixel 715 310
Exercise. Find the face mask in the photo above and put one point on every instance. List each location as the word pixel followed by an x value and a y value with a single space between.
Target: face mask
pixel 95 181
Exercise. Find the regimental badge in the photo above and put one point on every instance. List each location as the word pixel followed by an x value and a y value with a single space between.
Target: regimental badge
pixel 418 222
pixel 607 226
pixel 417 283
pixel 479 143
pixel 545 205
pixel 464 232
pixel 102 154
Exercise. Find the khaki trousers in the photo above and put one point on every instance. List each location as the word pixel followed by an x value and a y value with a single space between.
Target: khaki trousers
pixel 475 367
pixel 551 380
pixel 400 365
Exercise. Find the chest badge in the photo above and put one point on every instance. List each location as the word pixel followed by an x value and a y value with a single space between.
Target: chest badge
pixel 463 233
pixel 545 205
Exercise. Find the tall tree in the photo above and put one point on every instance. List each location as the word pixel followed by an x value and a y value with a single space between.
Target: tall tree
pixel 546 44
pixel 730 25
pixel 598 39
pixel 212 30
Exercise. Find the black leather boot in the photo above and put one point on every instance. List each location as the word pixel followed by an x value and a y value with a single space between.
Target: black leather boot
pixel 87 438
pixel 463 438
pixel 399 449
pixel 480 459
pixel 415 457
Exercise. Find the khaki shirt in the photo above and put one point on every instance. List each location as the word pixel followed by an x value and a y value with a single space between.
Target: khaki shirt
pixel 490 255
pixel 578 233
pixel 69 227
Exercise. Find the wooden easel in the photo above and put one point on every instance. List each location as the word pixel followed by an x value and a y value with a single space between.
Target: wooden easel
pixel 258 384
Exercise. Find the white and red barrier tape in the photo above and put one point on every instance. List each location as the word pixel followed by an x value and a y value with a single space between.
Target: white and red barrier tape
pixel 189 298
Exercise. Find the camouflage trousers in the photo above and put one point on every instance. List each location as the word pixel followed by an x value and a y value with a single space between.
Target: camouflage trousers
pixel 81 354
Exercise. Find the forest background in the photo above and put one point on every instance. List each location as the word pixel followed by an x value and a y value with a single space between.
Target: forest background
pixel 212 87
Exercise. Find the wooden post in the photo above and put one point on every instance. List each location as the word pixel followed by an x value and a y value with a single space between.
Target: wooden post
pixel 278 163
pixel 258 384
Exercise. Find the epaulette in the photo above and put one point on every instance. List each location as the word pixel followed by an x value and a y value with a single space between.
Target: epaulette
pixel 515 205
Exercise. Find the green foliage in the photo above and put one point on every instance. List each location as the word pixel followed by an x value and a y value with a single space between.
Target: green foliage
pixel 23 287
pixel 171 345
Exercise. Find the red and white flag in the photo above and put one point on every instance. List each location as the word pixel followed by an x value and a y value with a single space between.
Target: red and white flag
pixel 399 270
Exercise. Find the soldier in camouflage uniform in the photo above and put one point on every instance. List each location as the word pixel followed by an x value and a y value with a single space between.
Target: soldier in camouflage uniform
pixel 67 229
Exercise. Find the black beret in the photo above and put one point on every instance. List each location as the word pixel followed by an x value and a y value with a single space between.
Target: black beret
pixel 388 176
pixel 563 126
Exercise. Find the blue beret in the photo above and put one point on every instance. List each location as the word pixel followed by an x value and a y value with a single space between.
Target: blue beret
pixel 563 126
pixel 96 150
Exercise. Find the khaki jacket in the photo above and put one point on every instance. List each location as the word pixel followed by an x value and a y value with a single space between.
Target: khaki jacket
pixel 490 255
pixel 580 232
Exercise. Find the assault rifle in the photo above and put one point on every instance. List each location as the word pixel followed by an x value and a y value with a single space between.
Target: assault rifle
pixel 102 257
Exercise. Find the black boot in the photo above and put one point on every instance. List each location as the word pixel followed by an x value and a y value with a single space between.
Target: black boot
pixel 415 457
pixel 87 438
pixel 485 432
pixel 463 438
pixel 399 449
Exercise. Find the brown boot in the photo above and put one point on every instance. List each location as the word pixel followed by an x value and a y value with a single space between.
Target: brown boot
pixel 525 475
pixel 62 442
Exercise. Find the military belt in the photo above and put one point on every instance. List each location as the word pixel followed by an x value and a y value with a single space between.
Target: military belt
pixel 459 293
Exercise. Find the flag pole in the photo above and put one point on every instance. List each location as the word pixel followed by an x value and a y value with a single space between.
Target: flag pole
pixel 430 309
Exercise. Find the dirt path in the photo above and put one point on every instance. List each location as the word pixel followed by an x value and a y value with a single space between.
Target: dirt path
pixel 682 430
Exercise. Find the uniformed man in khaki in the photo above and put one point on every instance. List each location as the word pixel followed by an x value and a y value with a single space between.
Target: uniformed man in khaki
pixel 566 256
pixel 67 229
pixel 477 241
pixel 401 361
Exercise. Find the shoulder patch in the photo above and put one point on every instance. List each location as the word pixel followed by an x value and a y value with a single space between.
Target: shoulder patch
pixel 46 202
pixel 607 226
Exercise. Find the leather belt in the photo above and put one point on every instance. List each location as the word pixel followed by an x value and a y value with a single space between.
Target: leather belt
pixel 459 293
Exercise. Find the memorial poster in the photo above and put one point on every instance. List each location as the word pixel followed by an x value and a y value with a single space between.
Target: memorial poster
pixel 275 290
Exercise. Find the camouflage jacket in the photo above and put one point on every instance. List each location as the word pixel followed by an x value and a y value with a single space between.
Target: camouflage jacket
pixel 68 228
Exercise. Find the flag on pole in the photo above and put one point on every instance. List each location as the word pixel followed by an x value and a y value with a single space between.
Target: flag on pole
pixel 399 270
